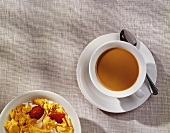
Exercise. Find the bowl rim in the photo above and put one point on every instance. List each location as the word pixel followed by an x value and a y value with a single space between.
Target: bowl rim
pixel 44 94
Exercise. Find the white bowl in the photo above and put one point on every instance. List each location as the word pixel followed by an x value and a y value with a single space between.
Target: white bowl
pixel 28 96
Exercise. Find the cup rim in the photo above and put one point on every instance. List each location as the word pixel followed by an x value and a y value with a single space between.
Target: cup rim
pixel 133 50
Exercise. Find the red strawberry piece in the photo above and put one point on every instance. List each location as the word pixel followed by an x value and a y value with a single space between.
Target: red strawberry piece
pixel 36 112
pixel 57 117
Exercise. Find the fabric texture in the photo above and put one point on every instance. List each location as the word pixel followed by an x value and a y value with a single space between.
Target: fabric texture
pixel 41 41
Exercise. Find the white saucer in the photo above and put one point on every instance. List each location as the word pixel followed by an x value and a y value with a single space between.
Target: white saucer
pixel 100 100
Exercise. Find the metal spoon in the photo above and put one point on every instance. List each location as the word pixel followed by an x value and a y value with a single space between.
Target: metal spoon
pixel 125 35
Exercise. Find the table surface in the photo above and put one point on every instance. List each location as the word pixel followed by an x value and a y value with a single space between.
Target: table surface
pixel 41 41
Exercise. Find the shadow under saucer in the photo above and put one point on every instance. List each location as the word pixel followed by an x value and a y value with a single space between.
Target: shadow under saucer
pixel 90 127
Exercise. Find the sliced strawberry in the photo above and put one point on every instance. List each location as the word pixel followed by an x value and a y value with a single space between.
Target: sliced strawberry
pixel 57 117
pixel 36 112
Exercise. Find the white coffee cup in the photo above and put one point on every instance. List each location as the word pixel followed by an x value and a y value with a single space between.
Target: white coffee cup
pixel 135 88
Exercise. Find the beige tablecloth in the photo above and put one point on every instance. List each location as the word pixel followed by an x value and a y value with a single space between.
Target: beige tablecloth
pixel 41 41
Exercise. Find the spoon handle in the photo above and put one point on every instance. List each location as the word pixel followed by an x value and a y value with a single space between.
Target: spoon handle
pixel 152 85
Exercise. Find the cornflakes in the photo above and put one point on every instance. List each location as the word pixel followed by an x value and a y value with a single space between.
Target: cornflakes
pixel 39 116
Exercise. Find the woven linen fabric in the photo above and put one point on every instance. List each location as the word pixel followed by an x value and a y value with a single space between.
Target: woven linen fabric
pixel 41 41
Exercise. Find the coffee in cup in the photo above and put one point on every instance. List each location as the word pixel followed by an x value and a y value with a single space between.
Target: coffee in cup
pixel 117 69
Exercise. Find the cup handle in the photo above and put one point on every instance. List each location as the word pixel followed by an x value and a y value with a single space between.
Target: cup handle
pixel 139 93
